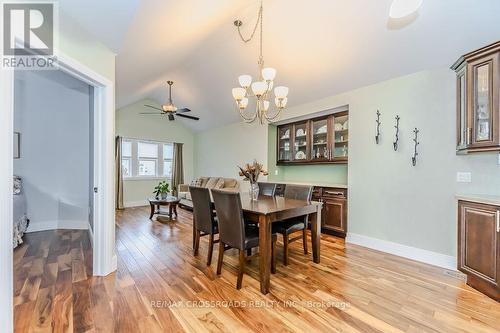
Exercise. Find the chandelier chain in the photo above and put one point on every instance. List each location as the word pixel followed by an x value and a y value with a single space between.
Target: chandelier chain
pixel 259 19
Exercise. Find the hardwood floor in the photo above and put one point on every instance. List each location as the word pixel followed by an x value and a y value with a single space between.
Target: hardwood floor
pixel 161 287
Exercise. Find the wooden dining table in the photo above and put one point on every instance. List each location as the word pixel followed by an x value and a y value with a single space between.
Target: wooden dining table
pixel 267 210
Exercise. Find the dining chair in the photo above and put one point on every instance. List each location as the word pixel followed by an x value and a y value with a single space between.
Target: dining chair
pixel 204 219
pixel 267 189
pixel 290 226
pixel 235 233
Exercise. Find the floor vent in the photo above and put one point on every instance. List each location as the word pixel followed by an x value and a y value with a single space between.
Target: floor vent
pixel 456 275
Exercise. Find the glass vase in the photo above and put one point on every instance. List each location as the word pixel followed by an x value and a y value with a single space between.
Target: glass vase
pixel 254 191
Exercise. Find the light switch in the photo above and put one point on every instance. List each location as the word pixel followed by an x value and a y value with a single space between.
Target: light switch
pixel 276 171
pixel 499 159
pixel 464 177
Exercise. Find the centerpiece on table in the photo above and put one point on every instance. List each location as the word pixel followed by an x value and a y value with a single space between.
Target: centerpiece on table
pixel 251 172
pixel 161 190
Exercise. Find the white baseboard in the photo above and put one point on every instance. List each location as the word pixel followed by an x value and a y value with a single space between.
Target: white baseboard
pixel 131 204
pixel 425 256
pixel 91 235
pixel 60 224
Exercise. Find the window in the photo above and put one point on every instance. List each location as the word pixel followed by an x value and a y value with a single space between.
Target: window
pixel 126 159
pixel 146 159
pixel 168 155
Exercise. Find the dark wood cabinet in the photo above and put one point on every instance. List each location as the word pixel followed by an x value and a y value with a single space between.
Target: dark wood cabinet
pixel 478 93
pixel 321 140
pixel 479 246
pixel 334 212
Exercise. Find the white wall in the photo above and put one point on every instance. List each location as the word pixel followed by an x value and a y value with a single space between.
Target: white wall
pixel 220 151
pixel 388 198
pixel 52 115
pixel 130 123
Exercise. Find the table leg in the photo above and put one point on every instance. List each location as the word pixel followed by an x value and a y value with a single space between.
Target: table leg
pixel 152 211
pixel 316 233
pixel 264 253
pixel 175 210
pixel 170 211
pixel 194 233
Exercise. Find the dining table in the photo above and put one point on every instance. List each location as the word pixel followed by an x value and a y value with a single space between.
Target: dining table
pixel 267 210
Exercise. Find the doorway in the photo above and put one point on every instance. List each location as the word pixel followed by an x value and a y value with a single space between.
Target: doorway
pixel 104 257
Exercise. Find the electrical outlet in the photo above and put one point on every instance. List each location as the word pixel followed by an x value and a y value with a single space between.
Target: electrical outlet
pixel 276 171
pixel 499 159
pixel 464 177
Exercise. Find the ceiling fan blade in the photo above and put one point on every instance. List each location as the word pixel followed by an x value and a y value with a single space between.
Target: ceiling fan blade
pixel 151 113
pixel 186 116
pixel 153 107
pixel 170 117
pixel 183 110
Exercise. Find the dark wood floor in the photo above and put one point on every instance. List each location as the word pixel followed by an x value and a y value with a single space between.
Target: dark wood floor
pixel 161 287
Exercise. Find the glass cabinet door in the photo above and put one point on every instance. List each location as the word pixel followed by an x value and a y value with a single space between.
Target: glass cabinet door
pixel 320 148
pixel 300 151
pixel 483 107
pixel 284 143
pixel 340 137
pixel 462 126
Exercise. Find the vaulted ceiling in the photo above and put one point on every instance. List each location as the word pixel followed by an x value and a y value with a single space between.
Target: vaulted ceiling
pixel 319 47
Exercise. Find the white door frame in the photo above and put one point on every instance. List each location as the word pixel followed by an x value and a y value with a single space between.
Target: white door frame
pixel 104 256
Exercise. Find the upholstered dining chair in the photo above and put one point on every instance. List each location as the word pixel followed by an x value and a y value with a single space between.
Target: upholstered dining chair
pixel 267 189
pixel 288 227
pixel 235 233
pixel 205 221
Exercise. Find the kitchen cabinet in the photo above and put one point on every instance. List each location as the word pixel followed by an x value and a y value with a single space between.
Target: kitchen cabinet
pixel 320 140
pixel 478 109
pixel 479 246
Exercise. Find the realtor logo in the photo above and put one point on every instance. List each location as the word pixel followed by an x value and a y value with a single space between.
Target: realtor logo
pixel 28 35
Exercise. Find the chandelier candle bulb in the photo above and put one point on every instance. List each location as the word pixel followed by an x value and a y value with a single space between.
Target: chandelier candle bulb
pixel 239 93
pixel 259 88
pixel 268 73
pixel 245 81
pixel 243 103
pixel 281 92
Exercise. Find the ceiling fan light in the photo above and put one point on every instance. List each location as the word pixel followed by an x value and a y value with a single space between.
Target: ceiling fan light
pixel 268 73
pixel 169 108
pixel 259 88
pixel 402 8
pixel 243 103
pixel 245 80
pixel 281 92
pixel 239 93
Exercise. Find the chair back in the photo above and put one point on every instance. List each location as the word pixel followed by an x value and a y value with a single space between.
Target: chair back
pixel 267 189
pixel 202 209
pixel 298 192
pixel 230 215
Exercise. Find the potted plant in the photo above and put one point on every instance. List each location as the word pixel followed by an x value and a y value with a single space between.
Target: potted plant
pixel 251 172
pixel 161 190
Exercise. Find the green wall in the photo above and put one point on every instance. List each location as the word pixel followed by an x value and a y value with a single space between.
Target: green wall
pixel 336 174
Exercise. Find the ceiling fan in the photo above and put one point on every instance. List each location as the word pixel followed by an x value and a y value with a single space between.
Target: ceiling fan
pixel 170 109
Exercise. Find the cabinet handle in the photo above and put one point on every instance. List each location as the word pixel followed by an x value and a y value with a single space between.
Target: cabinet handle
pixel 334 193
pixel 498 220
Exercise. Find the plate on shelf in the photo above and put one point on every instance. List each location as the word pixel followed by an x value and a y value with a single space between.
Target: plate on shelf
pixel 300 132
pixel 346 125
pixel 321 130
pixel 338 127
pixel 300 155
pixel 286 135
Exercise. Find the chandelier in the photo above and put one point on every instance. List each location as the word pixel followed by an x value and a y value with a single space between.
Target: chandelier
pixel 260 90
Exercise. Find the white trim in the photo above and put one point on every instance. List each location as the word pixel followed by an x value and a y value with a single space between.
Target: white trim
pixel 425 256
pixel 131 204
pixel 57 224
pixel 6 198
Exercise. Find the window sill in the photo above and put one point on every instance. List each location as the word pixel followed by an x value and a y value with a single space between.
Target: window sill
pixel 146 178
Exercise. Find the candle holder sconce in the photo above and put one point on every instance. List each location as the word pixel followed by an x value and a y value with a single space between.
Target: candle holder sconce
pixel 415 153
pixel 396 138
pixel 377 137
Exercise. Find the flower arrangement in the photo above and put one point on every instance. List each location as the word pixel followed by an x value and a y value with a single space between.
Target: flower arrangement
pixel 251 172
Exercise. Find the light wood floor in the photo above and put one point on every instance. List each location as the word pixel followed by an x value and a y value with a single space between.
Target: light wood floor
pixel 160 287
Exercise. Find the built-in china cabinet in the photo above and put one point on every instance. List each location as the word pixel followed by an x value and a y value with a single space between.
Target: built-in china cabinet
pixel 319 140
pixel 478 109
